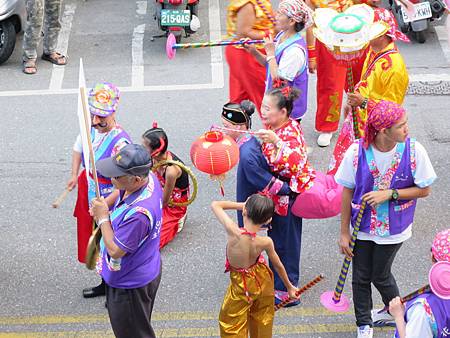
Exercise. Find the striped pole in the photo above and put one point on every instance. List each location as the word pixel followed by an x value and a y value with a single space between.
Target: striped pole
pixel 302 290
pixel 172 46
pixel 345 266
pixel 215 43
pixel 410 296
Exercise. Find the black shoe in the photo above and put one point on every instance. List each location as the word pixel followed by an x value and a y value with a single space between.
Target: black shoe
pixel 95 291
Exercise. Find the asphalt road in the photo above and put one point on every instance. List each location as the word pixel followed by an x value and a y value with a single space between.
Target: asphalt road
pixel 40 278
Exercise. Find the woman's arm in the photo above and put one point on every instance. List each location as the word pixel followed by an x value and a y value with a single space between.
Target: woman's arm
pixel 173 172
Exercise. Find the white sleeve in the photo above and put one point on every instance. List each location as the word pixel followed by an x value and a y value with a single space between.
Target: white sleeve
pixel 292 62
pixel 418 323
pixel 78 146
pixel 424 174
pixel 346 173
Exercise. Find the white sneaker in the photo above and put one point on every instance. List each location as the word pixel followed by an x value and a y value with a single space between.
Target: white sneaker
pixel 324 139
pixel 365 332
pixel 382 318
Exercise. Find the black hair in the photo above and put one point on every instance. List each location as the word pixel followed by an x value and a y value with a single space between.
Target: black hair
pixel 285 97
pixel 248 107
pixel 157 140
pixel 259 209
pixel 299 26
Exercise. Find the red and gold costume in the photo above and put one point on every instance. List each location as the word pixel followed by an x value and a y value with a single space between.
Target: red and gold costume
pixel 173 216
pixel 331 76
pixel 248 305
pixel 289 162
pixel 247 76
pixel 384 77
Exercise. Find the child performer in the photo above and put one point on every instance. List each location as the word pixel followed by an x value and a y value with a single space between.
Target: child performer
pixel 287 58
pixel 389 171
pixel 174 181
pixel 248 306
pixel 426 316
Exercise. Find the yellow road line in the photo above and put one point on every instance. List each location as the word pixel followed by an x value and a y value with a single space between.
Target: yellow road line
pixel 157 316
pixel 195 332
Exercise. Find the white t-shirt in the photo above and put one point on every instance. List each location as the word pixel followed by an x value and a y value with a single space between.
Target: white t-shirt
pixel 419 322
pixel 423 177
pixel 98 139
pixel 292 62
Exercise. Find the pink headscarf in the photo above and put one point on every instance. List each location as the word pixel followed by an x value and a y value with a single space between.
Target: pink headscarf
pixel 382 14
pixel 297 10
pixel 384 115
pixel 441 246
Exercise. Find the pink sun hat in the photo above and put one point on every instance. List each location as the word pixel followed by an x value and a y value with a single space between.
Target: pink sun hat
pixel 439 278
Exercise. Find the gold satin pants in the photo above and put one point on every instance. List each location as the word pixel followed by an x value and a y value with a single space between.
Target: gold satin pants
pixel 248 306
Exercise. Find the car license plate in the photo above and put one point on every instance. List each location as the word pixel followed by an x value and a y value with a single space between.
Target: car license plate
pixel 175 18
pixel 421 11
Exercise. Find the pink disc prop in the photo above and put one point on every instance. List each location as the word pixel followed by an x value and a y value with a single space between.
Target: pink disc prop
pixel 327 300
pixel 170 51
pixel 439 278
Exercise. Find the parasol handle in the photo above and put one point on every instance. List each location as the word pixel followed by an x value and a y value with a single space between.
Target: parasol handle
pixel 351 88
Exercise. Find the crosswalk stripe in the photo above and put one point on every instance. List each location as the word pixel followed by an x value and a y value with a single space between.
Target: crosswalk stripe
pixel 197 331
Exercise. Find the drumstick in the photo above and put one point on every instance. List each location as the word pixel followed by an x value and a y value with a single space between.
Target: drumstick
pixel 300 291
pixel 410 296
pixel 60 199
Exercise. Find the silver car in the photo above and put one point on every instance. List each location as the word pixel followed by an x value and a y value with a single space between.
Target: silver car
pixel 12 21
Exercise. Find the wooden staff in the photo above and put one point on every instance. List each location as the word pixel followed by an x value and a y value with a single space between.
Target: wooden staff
pixel 60 199
pixel 91 149
pixel 302 290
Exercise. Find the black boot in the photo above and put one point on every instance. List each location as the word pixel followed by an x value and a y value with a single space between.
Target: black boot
pixel 96 291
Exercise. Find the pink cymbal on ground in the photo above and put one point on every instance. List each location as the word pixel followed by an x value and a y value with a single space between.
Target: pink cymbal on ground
pixel 327 300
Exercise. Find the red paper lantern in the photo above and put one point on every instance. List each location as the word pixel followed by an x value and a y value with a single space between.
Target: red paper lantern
pixel 214 153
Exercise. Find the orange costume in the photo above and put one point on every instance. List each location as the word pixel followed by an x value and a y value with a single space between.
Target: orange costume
pixel 247 76
pixel 248 306
pixel 331 76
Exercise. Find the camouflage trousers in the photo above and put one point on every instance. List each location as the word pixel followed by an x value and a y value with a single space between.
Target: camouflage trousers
pixel 42 18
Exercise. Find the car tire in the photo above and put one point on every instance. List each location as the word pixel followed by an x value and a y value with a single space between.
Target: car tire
pixel 7 40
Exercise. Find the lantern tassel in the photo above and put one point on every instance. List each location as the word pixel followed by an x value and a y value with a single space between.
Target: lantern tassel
pixel 222 190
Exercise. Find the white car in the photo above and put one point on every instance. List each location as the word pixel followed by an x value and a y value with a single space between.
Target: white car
pixel 12 21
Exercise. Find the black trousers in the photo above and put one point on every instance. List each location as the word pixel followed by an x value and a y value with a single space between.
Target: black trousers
pixel 130 310
pixel 372 264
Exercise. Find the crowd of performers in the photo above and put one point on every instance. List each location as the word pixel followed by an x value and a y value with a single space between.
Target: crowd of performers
pixel 378 165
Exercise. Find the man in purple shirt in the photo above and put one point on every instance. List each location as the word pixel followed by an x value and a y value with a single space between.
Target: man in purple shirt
pixel 129 259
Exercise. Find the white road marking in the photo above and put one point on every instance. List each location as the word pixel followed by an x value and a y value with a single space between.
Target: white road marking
pixel 443 40
pixel 57 77
pixel 215 32
pixel 141 7
pixel 137 56
pixel 131 89
pixel 429 77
